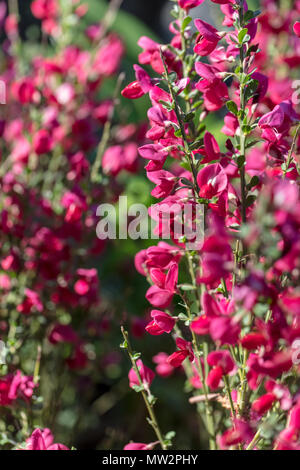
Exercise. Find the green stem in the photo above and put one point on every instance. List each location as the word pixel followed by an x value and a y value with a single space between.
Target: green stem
pixel 210 426
pixel 181 125
pixel 254 441
pixel 152 417
pixel 292 149
pixel 106 131
pixel 228 390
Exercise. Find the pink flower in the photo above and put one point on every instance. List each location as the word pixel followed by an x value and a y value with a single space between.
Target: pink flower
pixel 163 368
pixel 222 364
pixel 154 152
pixel 75 205
pixel 188 4
pixel 43 9
pixel 212 181
pixel 224 330
pixel 62 334
pixel 185 351
pixel 42 142
pixel 119 158
pixel 165 183
pixel 231 124
pixel 241 432
pixel 281 392
pixel 272 365
pixel 140 446
pixel 142 85
pixel 264 403
pixel 30 303
pixel 133 91
pixel 222 2
pixel 21 386
pixel 252 341
pixel 215 92
pixel 211 149
pixel 147 375
pixel 297 28
pixel 207 40
pixel 162 323
pixel 42 439
pixel 161 293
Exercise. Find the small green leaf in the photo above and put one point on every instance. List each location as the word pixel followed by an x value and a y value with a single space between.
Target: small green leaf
pixel 250 200
pixel 248 16
pixel 185 23
pixel 246 129
pixel 136 356
pixel 253 182
pixel 232 107
pixel 242 35
pixel 240 161
pixel 187 182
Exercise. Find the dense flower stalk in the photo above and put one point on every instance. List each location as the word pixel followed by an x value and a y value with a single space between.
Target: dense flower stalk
pixel 240 321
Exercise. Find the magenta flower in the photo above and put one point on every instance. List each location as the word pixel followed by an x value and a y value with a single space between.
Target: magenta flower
pixel 162 323
pixel 32 302
pixel 140 87
pixel 42 142
pixel 156 154
pixel 296 28
pixel 263 404
pixel 212 181
pixel 163 368
pixel 140 446
pixel 62 334
pixel 271 365
pixel 165 182
pixel 147 375
pixel 241 432
pixel 222 364
pixel 185 351
pixel 161 293
pixel 120 157
pixel 224 330
pixel 42 439
pixel 207 40
pixel 188 4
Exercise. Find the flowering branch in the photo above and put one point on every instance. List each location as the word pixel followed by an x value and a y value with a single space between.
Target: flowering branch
pixel 143 388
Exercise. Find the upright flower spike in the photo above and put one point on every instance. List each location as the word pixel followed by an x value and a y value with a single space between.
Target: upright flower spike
pixel 228 183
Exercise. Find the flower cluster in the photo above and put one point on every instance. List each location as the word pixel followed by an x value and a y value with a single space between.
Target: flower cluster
pixel 236 320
